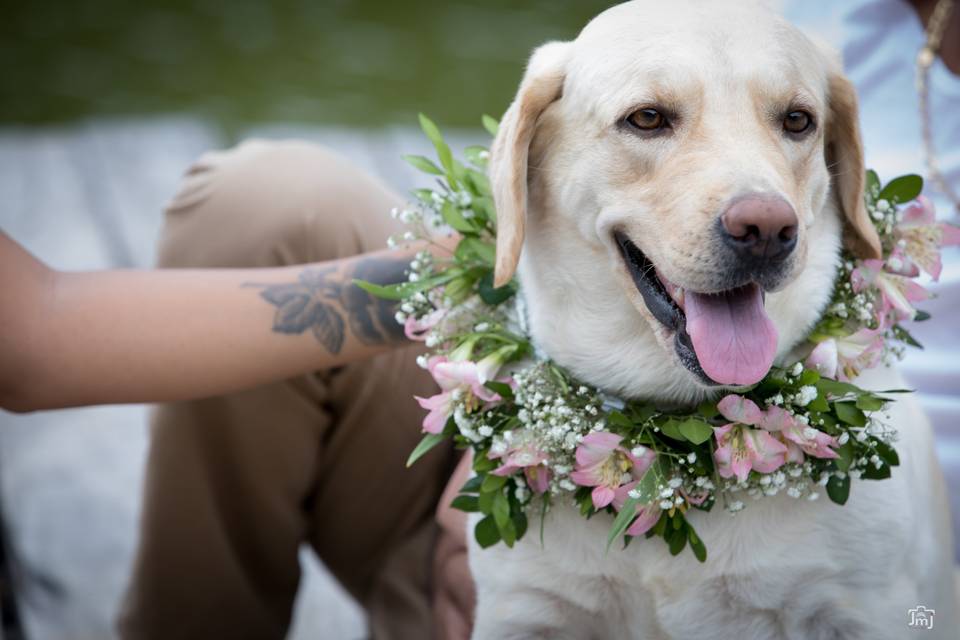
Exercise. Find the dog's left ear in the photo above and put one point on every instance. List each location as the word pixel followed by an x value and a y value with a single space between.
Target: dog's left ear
pixel 844 155
pixel 542 84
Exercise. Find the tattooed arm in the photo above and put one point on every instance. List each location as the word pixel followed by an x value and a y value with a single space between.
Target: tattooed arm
pixel 69 339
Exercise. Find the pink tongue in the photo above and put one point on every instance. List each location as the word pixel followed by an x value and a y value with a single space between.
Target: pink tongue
pixel 734 339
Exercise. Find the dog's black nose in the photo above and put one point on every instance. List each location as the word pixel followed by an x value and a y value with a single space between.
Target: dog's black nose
pixel 760 227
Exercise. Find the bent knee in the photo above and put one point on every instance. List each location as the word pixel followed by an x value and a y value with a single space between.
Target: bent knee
pixel 268 203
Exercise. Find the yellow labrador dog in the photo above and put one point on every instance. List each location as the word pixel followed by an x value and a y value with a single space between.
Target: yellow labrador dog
pixel 680 178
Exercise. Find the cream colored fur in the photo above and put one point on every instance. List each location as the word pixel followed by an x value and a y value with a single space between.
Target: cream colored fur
pixel 565 175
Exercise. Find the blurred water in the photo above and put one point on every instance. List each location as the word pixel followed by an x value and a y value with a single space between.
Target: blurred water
pixel 362 62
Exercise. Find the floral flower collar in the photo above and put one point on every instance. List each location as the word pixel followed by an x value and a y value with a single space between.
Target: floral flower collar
pixel 540 437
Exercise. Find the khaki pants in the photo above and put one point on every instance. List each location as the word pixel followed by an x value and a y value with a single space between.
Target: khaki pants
pixel 236 483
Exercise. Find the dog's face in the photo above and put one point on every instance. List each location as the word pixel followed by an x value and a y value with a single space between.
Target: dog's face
pixel 682 171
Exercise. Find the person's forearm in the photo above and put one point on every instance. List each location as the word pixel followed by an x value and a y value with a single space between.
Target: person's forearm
pixel 149 336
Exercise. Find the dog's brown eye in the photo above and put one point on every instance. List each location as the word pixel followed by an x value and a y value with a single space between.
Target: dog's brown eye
pixel 647 119
pixel 797 122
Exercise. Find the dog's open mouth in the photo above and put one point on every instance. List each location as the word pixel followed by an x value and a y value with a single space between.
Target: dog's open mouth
pixel 725 338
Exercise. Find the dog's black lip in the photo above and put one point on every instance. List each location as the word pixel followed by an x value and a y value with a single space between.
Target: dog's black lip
pixel 661 305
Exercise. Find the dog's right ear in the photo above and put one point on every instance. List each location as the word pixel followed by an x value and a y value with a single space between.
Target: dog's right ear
pixel 542 84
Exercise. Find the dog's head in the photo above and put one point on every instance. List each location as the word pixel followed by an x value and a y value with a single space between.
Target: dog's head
pixel 682 171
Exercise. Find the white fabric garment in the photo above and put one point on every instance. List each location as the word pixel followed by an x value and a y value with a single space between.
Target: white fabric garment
pixel 879 41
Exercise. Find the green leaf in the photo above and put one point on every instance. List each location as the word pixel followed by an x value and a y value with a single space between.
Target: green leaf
pixel 903 335
pixel 452 215
pixel 622 522
pixel 651 480
pixel 836 388
pixel 849 413
pixel 492 483
pixel 469 504
pixel 501 510
pixel 870 403
pixel 617 419
pixel 429 442
pixel 902 189
pixel 475 155
pixel 494 295
pixel 696 544
pixel 500 388
pixel 696 431
pixel 423 164
pixel 872 186
pixel 671 429
pixel 519 523
pixel 443 151
pixel 486 532
pixel 819 403
pixel 838 490
pixel 845 454
pixel 472 485
pixel 485 502
pixel 387 292
pixel 678 541
pixel 490 124
pixel 405 289
pixel 887 453
pixel 470 249
pixel 873 473
pixel 708 410
pixel 809 376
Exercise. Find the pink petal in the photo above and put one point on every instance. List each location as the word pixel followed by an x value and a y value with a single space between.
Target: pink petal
pixel 777 418
pixel 451 375
pixel 949 235
pixel 739 409
pixel 602 495
pixel 740 466
pixel 621 494
pixel 435 421
pixel 919 213
pixel 723 457
pixel 538 478
pixel 438 401
pixel 596 447
pixel 794 453
pixel 505 470
pixel 644 522
pixel 766 452
pixel 585 478
pixel 823 358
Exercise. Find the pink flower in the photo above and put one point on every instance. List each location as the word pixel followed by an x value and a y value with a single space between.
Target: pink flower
pixel 797 436
pixel 812 441
pixel 922 236
pixel 844 358
pixel 824 358
pixel 418 328
pixel 897 293
pixel 458 379
pixel 531 460
pixel 741 448
pixel 603 464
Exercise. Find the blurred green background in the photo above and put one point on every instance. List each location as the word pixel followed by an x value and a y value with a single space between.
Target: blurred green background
pixel 362 63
